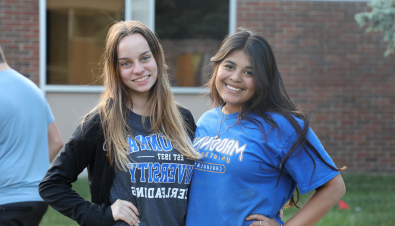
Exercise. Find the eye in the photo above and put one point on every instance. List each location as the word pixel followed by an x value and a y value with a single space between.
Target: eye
pixel 125 64
pixel 229 67
pixel 145 58
pixel 248 73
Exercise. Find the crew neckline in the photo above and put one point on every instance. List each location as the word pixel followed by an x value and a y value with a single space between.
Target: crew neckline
pixel 227 116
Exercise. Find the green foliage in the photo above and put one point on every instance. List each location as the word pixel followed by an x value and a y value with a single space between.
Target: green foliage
pixel 380 19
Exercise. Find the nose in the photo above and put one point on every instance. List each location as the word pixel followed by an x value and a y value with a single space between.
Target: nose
pixel 138 68
pixel 236 76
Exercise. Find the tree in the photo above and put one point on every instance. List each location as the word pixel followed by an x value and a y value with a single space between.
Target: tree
pixel 380 19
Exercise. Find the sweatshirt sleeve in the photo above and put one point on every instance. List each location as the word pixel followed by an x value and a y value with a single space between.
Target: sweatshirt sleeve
pixel 56 188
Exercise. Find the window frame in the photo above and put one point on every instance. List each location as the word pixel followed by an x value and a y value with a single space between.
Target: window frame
pixel 98 89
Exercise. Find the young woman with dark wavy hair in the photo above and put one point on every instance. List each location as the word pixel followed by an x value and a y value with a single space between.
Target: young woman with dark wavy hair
pixel 257 147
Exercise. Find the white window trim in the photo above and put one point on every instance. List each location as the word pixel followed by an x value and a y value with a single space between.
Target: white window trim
pixel 43 46
pixel 232 16
pixel 152 15
pixel 128 13
pixel 98 89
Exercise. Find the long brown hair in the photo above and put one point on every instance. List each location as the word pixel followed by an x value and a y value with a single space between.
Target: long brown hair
pixel 161 108
pixel 270 95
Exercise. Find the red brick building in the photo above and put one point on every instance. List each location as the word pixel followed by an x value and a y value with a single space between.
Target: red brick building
pixel 19 35
pixel 330 66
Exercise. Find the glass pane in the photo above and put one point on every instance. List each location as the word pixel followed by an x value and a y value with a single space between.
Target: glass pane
pixel 76 31
pixel 191 32
pixel 141 11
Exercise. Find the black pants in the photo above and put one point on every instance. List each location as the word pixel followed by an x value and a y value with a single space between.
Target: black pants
pixel 22 213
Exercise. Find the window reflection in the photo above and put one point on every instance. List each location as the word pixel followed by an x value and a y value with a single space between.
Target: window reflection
pixel 191 32
pixel 76 33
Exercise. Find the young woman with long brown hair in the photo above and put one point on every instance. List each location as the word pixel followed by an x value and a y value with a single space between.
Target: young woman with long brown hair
pixel 257 147
pixel 136 143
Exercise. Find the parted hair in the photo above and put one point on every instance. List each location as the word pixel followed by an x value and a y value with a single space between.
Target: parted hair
pixel 270 93
pixel 163 113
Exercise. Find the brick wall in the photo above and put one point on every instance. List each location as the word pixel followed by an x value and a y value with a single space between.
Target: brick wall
pixel 19 35
pixel 332 68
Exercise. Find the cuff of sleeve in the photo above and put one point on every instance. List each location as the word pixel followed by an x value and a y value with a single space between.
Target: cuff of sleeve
pixel 278 219
pixel 99 216
pixel 318 183
pixel 108 216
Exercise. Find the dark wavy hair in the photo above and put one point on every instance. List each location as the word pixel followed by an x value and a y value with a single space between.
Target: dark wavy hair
pixel 270 95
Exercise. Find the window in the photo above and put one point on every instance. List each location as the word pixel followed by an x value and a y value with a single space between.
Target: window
pixel 191 33
pixel 76 32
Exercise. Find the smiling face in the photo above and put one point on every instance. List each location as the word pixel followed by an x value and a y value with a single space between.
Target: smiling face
pixel 235 82
pixel 137 65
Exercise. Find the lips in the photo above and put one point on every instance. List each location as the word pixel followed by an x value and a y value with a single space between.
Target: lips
pixel 142 79
pixel 232 88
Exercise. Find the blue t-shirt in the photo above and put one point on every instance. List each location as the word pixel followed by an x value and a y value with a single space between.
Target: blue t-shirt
pixel 24 119
pixel 235 177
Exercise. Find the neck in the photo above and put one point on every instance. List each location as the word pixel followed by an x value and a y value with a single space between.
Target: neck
pixel 139 103
pixel 230 108
pixel 4 66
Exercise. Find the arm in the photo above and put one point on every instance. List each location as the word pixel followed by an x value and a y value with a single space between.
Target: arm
pixel 316 207
pixel 327 183
pixel 319 204
pixel 55 188
pixel 55 142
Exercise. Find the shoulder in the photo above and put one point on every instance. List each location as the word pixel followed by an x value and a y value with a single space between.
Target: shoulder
pixel 284 125
pixel 22 79
pixel 283 122
pixel 188 119
pixel 184 112
pixel 211 114
pixel 90 124
pixel 186 115
pixel 92 117
pixel 14 82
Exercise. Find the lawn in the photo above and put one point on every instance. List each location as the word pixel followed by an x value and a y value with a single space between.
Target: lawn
pixel 371 199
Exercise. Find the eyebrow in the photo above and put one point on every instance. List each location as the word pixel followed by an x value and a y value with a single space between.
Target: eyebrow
pixel 126 58
pixel 233 63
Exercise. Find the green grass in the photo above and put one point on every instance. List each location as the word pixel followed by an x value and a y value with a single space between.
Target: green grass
pixel 373 194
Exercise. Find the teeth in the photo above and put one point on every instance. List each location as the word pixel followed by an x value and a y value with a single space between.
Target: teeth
pixel 141 79
pixel 233 88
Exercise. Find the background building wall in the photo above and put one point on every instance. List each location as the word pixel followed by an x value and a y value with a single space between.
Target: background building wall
pixel 19 36
pixel 337 72
pixel 330 66
pixel 70 108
